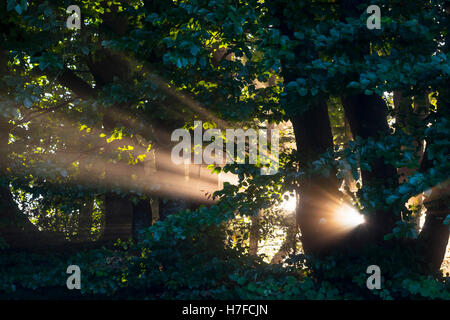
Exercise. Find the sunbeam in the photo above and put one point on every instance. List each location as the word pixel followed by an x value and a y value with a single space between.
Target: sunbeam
pixel 349 216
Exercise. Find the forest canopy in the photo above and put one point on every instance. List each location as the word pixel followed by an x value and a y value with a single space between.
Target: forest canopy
pixel 355 121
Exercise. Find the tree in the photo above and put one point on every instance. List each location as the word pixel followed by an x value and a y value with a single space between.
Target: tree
pixel 137 70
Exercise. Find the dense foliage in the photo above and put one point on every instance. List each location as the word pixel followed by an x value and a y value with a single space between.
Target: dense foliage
pixel 85 113
pixel 181 267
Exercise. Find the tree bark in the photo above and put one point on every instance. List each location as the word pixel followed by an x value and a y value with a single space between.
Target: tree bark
pixel 367 116
pixel 434 237
pixel 105 65
pixel 118 217
pixel 142 217
pixel 318 194
pixel 85 220
pixel 408 120
pixel 254 236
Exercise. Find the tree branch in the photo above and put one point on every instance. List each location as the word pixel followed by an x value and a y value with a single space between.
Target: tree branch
pixel 77 85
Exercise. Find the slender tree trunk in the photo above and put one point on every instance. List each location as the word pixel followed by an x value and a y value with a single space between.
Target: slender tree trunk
pixel 142 217
pixel 254 234
pixel 118 217
pixel 85 220
pixel 289 245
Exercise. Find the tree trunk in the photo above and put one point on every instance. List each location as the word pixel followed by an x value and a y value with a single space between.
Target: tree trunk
pixel 118 217
pixel 118 208
pixel 104 66
pixel 289 245
pixel 434 236
pixel 142 217
pixel 433 239
pixel 254 234
pixel 409 120
pixel 85 220
pixel 318 193
pixel 367 116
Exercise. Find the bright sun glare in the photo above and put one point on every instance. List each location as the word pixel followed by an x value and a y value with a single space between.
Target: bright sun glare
pixel 345 215
pixel 349 216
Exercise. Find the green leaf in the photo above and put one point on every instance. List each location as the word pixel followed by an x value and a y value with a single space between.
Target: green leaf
pixel 195 50
pixel 18 9
pixel 303 92
pixel 11 5
pixel 391 199
pixel 299 35
pixel 403 189
pixel 447 220
pixel 27 102
pixel 353 84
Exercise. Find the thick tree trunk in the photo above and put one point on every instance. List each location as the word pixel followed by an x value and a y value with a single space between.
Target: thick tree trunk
pixel 118 209
pixel 434 237
pixel 318 194
pixel 169 204
pixel 104 66
pixel 367 116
